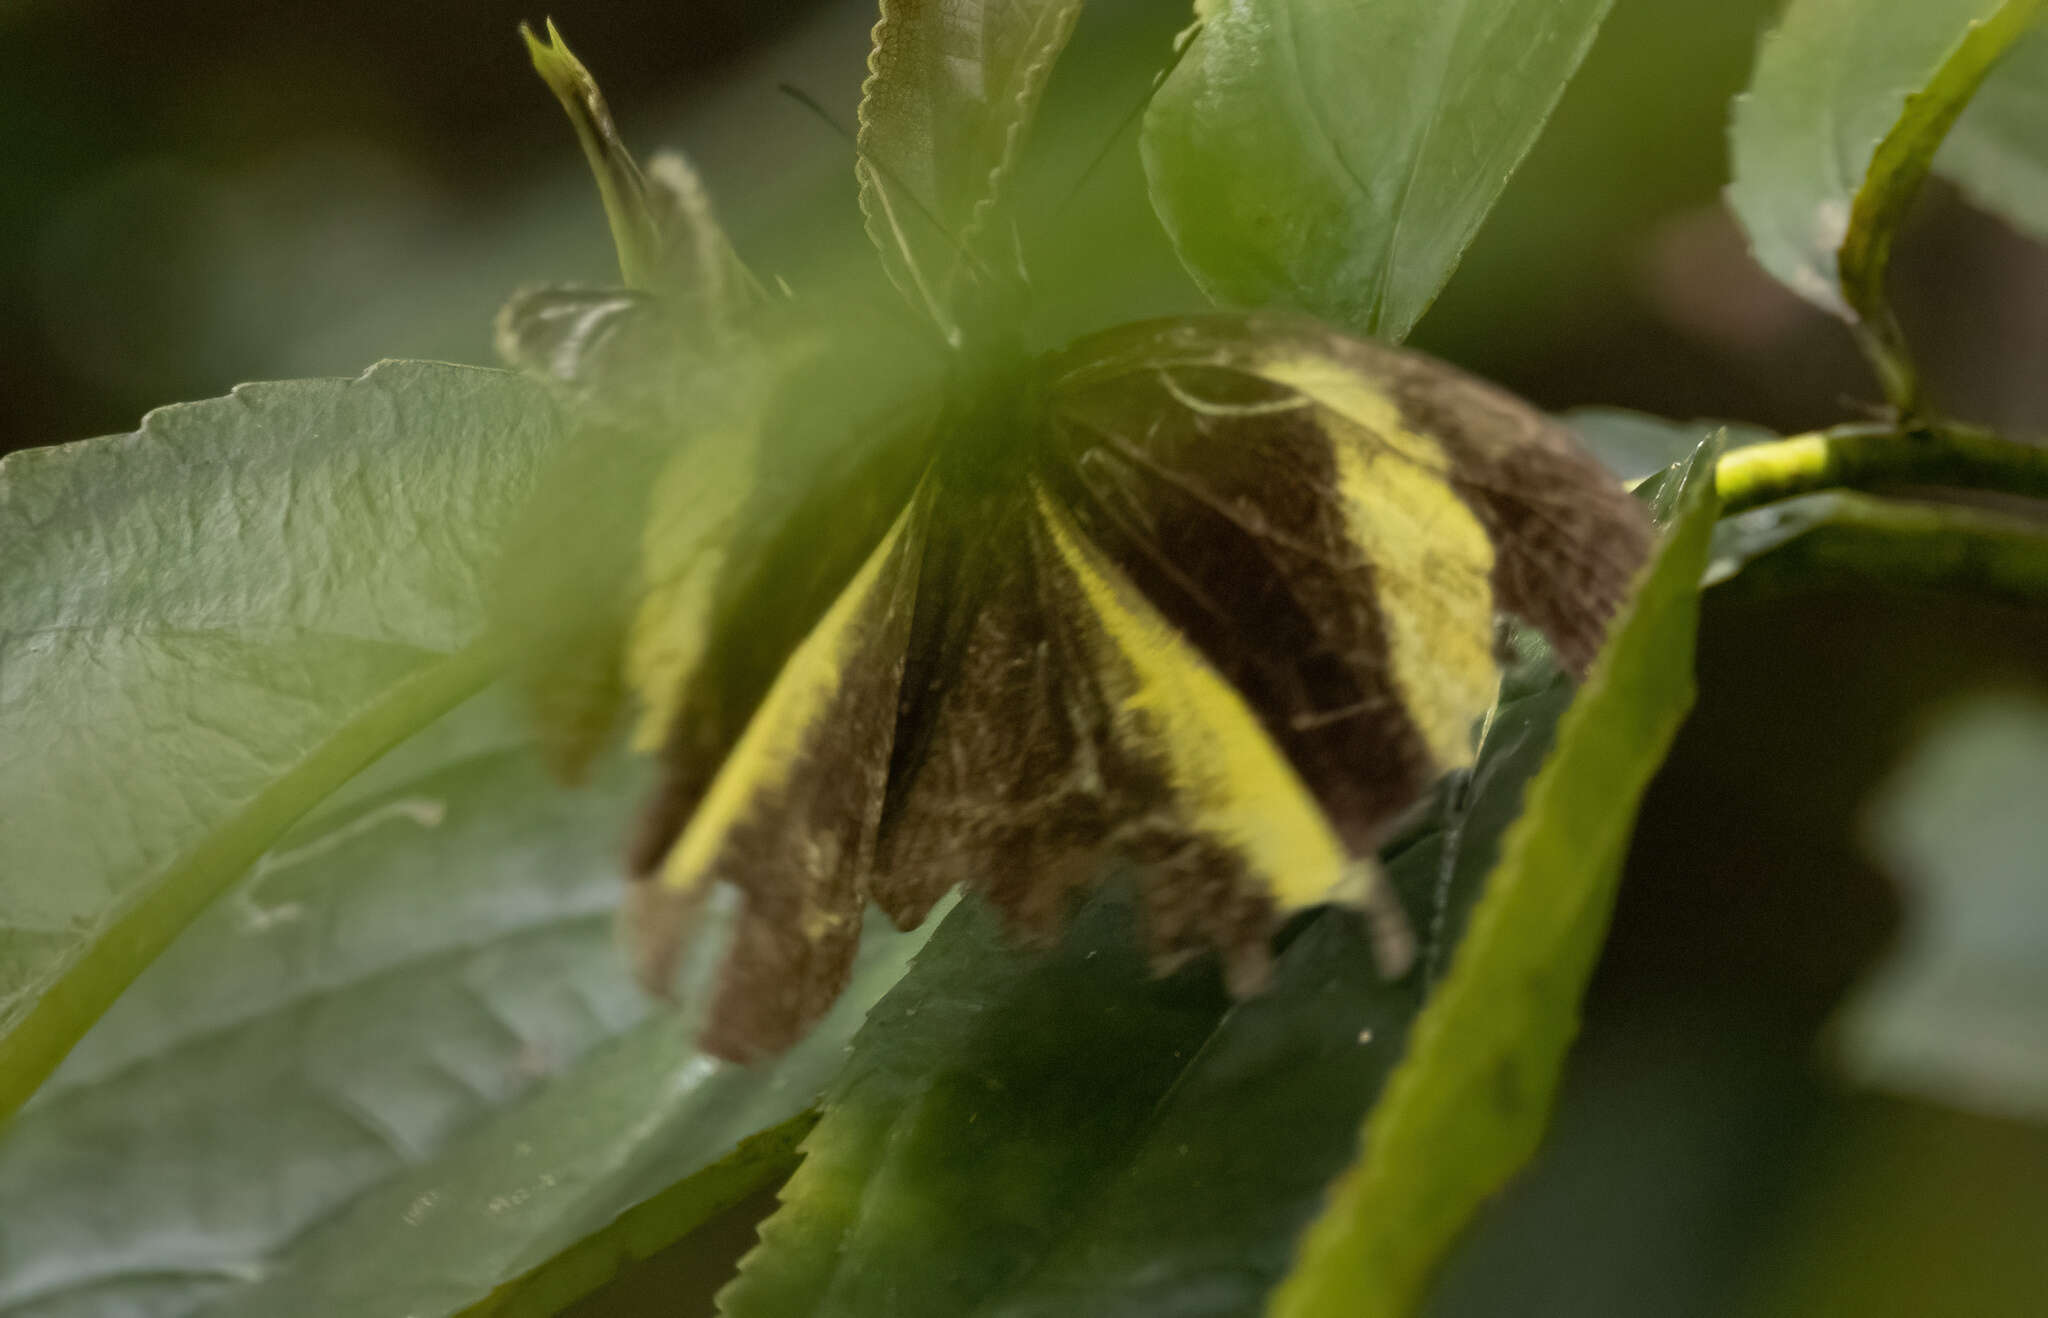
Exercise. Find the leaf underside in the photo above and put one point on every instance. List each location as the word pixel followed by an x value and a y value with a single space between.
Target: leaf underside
pixel 190 616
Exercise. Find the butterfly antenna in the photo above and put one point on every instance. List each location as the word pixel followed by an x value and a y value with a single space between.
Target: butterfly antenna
pixel 1180 50
pixel 805 99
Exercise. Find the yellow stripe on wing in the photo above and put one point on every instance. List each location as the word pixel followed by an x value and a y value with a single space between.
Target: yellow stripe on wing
pixel 782 730
pixel 1431 557
pixel 1177 713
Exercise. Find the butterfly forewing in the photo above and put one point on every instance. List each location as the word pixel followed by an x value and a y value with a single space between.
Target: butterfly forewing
pixel 1569 539
pixel 1335 551
pixel 790 817
pixel 1339 586
pixel 1221 823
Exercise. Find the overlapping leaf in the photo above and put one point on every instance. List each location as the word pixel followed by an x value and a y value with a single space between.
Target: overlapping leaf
pixel 1339 155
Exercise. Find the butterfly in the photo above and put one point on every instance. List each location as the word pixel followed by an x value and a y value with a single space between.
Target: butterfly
pixel 1216 594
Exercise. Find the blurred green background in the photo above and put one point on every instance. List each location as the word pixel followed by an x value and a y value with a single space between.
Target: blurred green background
pixel 214 191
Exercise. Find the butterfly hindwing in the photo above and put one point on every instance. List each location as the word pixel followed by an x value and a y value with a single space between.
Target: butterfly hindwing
pixel 609 569
pixel 563 593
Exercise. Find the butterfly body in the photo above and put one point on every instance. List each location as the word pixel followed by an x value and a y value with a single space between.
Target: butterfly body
pixel 1215 595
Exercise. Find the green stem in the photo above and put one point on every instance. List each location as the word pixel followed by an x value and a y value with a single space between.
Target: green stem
pixel 123 949
pixel 1871 457
pixel 1859 539
pixel 1884 346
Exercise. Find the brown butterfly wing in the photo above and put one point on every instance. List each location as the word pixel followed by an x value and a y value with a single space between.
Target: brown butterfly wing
pixel 790 816
pixel 1072 722
pixel 1334 524
pixel 996 783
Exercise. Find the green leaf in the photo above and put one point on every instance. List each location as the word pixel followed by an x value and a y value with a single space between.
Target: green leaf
pixel 408 1036
pixel 1469 1101
pixel 1339 155
pixel 1018 1134
pixel 1849 101
pixel 981 1097
pixel 952 88
pixel 207 625
pixel 1998 151
pixel 647 1228
pixel 1959 1015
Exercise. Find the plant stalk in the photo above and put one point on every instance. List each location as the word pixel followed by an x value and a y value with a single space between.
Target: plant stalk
pixel 1876 457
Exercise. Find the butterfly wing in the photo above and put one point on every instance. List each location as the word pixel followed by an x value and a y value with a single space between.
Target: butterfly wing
pixel 1335 525
pixel 832 465
pixel 1072 719
pixel 951 91
pixel 995 782
pixel 790 816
